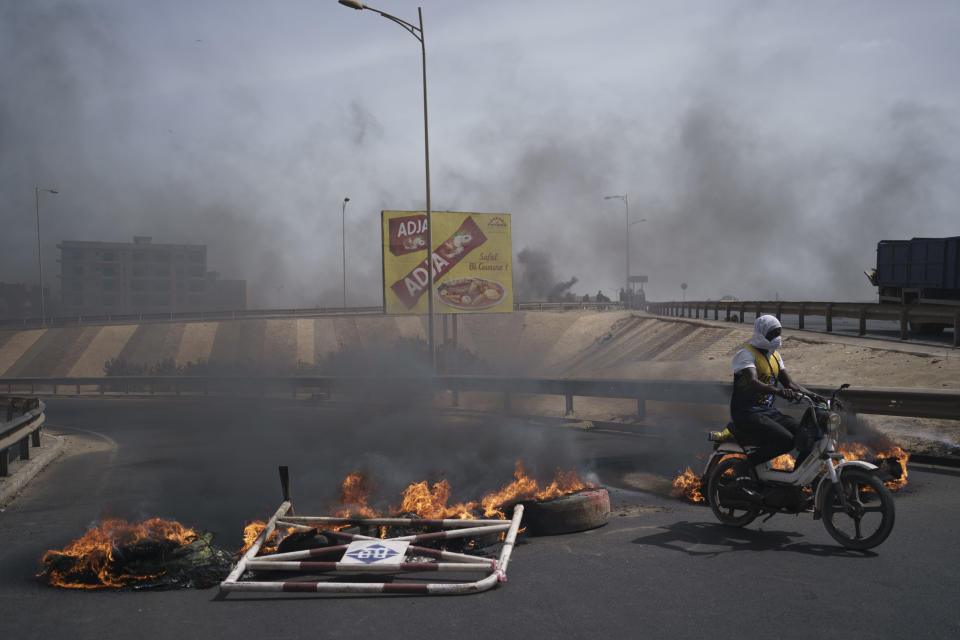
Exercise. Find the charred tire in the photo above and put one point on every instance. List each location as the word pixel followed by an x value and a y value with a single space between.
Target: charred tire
pixel 871 508
pixel 587 509
pixel 724 472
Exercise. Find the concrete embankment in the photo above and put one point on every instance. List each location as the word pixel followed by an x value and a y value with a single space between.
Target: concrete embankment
pixel 524 343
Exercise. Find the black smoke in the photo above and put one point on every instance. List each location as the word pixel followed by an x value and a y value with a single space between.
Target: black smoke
pixel 537 282
pixel 759 178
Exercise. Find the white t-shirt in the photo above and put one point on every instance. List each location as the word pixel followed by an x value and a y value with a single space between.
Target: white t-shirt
pixel 744 358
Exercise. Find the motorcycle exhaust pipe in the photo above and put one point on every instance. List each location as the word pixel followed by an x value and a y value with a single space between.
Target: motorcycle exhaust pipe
pixel 739 497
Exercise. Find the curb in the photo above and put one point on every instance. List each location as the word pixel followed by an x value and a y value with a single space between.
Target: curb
pixel 23 472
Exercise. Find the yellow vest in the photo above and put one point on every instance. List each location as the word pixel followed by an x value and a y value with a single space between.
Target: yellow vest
pixel 768 368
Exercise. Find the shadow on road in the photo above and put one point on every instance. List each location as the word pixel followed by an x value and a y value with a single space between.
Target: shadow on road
pixel 714 539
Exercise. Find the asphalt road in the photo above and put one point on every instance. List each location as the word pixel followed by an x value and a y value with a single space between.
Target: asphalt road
pixel 660 569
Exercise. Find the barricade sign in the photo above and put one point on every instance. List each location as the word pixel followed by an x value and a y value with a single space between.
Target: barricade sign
pixel 379 552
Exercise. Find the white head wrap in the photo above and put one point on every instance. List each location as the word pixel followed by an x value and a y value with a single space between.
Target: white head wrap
pixel 761 327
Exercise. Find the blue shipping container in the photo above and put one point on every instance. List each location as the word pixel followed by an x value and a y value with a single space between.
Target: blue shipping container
pixel 927 263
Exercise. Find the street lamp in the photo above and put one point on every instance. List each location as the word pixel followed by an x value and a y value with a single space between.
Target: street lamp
pixel 43 304
pixel 343 248
pixel 417 32
pixel 626 205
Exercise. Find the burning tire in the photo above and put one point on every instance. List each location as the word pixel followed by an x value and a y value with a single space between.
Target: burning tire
pixel 586 509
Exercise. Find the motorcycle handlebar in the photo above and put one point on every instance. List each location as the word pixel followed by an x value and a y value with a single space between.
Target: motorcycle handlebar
pixel 832 403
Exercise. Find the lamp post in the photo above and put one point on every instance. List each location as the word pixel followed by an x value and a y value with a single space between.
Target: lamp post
pixel 417 32
pixel 626 206
pixel 43 304
pixel 343 248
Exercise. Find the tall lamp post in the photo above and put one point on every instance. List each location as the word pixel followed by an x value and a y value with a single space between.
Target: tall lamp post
pixel 417 32
pixel 626 206
pixel 343 248
pixel 43 304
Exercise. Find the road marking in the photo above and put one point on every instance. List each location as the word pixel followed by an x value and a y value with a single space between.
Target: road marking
pixel 103 436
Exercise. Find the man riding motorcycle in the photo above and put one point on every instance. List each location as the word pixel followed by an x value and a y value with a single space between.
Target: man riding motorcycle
pixel 757 368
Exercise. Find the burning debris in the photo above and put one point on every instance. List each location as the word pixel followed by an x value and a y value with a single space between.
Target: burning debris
pixel 158 553
pixel 253 530
pixel 365 555
pixel 688 486
pixel 155 553
pixel 890 458
pixel 432 501
pixel 430 534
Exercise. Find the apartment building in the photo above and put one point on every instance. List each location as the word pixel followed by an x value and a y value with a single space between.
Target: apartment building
pixel 98 278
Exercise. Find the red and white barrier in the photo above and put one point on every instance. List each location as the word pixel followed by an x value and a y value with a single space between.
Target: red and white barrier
pixel 365 555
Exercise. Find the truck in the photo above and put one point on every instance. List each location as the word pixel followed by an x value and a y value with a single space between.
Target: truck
pixel 918 271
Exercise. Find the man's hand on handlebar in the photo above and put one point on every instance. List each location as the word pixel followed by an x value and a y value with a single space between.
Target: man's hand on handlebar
pixel 788 394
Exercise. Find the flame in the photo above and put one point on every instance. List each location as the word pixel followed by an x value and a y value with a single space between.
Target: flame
pixel 688 486
pixel 354 492
pixel 90 559
pixel 250 534
pixel 253 530
pixel 883 449
pixel 854 451
pixel 524 487
pixel 431 502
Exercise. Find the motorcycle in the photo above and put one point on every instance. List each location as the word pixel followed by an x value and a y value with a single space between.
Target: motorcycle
pixel 848 495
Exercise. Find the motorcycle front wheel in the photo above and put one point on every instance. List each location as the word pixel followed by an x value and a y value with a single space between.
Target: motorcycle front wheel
pixel 867 519
pixel 726 471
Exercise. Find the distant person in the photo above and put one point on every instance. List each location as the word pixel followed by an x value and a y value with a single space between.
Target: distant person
pixel 757 369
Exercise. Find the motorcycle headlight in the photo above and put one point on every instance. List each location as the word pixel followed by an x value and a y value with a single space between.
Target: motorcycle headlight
pixel 833 423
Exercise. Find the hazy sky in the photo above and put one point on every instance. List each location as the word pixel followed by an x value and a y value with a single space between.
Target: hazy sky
pixel 769 145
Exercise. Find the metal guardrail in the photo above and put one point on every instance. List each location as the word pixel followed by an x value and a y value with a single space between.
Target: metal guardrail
pixel 920 403
pixel 19 431
pixel 862 311
pixel 570 306
pixel 249 314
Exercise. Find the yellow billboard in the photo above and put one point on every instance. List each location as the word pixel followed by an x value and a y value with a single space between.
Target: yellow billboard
pixel 472 262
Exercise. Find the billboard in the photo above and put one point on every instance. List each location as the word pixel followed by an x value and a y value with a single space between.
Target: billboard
pixel 472 262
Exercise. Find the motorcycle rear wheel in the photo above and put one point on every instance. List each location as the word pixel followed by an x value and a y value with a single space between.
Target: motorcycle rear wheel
pixel 726 471
pixel 869 519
